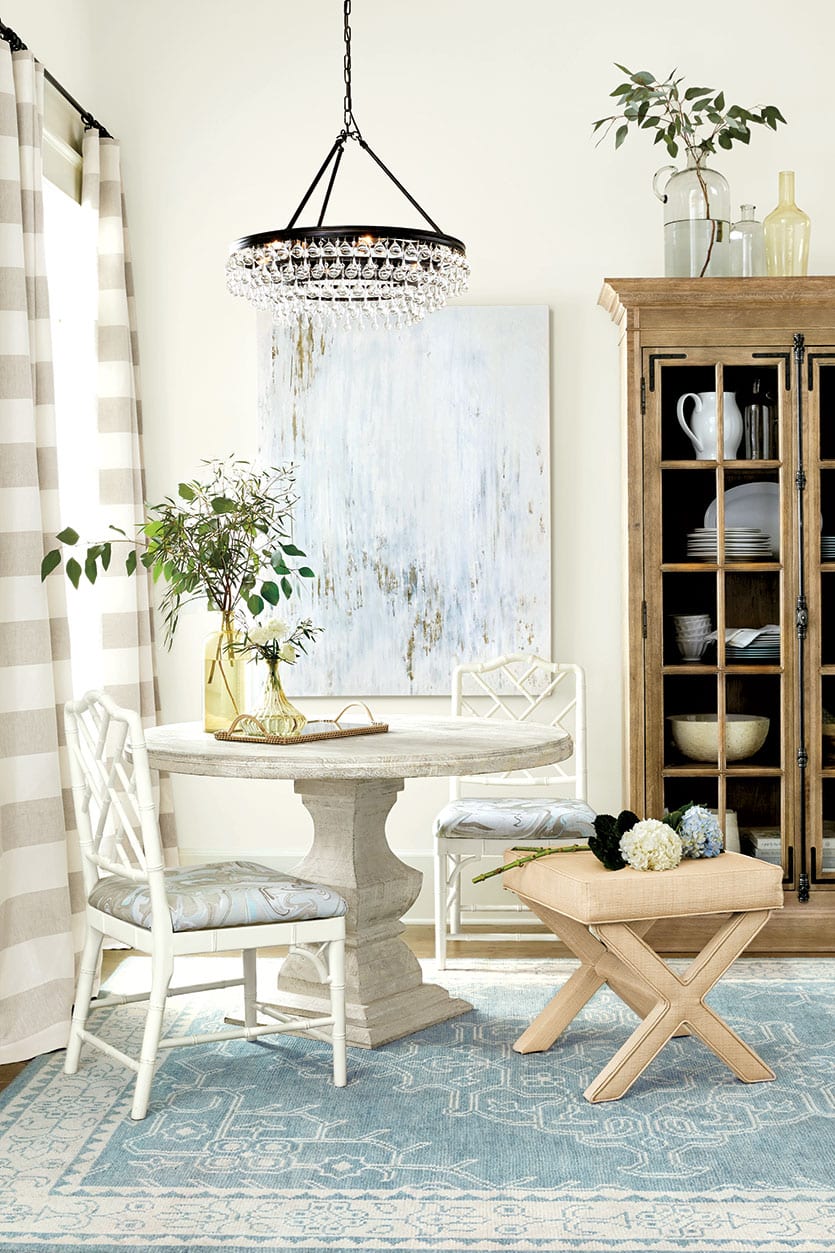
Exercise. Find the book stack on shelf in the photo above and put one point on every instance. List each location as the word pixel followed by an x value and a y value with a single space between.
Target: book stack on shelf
pixel 765 843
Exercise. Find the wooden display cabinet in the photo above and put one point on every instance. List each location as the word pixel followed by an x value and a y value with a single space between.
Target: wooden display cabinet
pixel 722 336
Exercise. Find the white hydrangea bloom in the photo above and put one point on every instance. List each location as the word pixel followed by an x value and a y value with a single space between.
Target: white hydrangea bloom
pixel 287 653
pixel 651 845
pixel 275 629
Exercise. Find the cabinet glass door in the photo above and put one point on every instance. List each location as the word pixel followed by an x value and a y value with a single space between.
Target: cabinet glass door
pixel 719 563
pixel 819 544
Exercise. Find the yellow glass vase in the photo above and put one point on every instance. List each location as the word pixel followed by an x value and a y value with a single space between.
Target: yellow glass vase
pixel 787 230
pixel 276 713
pixel 224 694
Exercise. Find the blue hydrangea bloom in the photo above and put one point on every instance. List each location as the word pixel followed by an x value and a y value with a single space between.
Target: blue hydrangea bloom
pixel 700 833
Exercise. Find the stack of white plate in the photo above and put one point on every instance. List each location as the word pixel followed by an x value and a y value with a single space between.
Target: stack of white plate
pixel 742 543
pixel 754 646
pixel 828 548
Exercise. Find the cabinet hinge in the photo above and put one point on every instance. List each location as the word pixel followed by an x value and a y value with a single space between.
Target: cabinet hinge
pixel 644 619
pixel 643 396
pixel 800 480
pixel 801 616
pixel 802 758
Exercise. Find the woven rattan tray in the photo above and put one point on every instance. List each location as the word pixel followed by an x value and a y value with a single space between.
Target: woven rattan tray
pixel 246 729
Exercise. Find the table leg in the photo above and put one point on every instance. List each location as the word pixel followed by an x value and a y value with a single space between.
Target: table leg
pixel 385 993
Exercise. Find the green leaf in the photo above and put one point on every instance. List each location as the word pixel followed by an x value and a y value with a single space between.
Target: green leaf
pixel 621 134
pixel 621 90
pixel 279 564
pixel 118 530
pixel 255 605
pixel 719 102
pixel 292 551
pixel 106 554
pixel 270 593
pixel 50 561
pixel 306 572
pixel 67 536
pixel 693 92
pixel 73 572
pixel 672 147
pixel 724 140
pixel 91 569
pixel 222 504
pixel 287 588
pixel 644 78
pixel 186 492
pixel 130 561
pixel 157 570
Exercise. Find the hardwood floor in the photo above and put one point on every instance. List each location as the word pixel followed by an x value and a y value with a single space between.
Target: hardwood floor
pixel 420 940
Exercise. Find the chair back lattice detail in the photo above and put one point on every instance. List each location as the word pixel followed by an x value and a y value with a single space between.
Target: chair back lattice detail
pixel 111 780
pixel 521 687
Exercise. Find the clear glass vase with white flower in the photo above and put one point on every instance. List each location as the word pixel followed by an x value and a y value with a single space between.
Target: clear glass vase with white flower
pixel 275 642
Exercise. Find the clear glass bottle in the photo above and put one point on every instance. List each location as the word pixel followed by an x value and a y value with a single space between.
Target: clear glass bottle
pixel 787 230
pixel 697 220
pixel 760 422
pixel 747 245
pixel 224 691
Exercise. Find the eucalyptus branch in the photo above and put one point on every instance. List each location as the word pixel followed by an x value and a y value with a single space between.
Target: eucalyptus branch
pixel 535 854
pixel 699 120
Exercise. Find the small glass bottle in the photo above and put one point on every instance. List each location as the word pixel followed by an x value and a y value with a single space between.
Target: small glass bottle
pixel 224 690
pixel 747 245
pixel 787 231
pixel 760 419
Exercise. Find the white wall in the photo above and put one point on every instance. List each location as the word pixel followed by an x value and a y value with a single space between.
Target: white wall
pixel 484 109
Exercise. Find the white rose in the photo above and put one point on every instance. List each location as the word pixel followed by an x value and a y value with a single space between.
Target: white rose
pixel 287 653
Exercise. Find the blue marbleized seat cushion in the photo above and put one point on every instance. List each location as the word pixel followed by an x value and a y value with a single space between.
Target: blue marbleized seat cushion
pixel 512 819
pixel 222 894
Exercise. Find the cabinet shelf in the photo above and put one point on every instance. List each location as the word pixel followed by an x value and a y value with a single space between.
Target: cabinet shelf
pixel 735 567
pixel 740 466
pixel 696 667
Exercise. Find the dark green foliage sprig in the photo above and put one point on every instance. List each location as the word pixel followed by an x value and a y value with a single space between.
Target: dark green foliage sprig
pixel 605 843
pixel 226 539
pixel 697 118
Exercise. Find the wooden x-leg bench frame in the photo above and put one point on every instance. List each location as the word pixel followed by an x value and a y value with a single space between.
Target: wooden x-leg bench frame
pixel 615 952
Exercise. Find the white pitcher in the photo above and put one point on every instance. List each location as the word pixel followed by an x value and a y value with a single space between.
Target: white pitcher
pixel 702 430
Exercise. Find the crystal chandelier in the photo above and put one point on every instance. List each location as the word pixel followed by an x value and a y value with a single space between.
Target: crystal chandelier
pixel 348 275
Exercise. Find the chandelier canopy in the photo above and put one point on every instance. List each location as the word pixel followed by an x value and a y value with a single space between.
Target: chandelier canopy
pixel 348 275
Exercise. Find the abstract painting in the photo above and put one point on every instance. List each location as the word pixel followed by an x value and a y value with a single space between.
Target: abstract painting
pixel 423 475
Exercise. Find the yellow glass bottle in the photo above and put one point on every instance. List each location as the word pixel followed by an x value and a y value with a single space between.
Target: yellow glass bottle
pixel 787 230
pixel 224 694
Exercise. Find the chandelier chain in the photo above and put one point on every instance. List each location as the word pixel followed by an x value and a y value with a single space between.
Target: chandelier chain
pixel 349 121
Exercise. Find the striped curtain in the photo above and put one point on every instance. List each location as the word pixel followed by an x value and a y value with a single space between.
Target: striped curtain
pixel 129 665
pixel 36 932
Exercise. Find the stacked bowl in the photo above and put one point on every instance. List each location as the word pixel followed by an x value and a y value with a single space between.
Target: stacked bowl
pixel 692 630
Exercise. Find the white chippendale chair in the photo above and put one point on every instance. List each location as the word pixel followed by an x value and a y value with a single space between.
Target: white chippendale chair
pixel 518 687
pixel 222 907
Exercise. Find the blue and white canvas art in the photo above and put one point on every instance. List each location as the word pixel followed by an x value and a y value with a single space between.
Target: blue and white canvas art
pixel 423 474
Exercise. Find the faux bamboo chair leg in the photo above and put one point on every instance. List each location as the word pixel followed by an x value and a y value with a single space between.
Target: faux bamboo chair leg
pixel 162 968
pixel 249 957
pixel 336 971
pixel 441 914
pixel 86 977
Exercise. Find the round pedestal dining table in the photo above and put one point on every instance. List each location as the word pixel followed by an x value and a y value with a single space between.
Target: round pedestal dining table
pixel 349 786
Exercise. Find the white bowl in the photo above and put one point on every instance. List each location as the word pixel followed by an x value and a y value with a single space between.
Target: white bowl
pixel 697 735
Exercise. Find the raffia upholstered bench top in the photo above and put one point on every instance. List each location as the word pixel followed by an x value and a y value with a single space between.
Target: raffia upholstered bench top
pixel 580 887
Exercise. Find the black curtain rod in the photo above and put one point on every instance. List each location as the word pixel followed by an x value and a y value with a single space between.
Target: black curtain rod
pixel 17 45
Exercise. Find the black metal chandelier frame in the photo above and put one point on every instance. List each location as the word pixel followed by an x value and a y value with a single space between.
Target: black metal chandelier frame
pixel 350 131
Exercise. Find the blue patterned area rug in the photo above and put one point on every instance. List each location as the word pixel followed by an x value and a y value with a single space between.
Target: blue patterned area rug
pixel 446 1142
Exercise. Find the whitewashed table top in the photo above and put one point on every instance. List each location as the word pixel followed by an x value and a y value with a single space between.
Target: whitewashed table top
pixel 412 747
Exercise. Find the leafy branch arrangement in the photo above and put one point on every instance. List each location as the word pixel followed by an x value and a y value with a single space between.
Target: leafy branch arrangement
pixel 227 538
pixel 697 117
pixel 647 844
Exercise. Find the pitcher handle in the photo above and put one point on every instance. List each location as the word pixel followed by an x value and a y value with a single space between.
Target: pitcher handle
pixel 669 170
pixel 697 404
